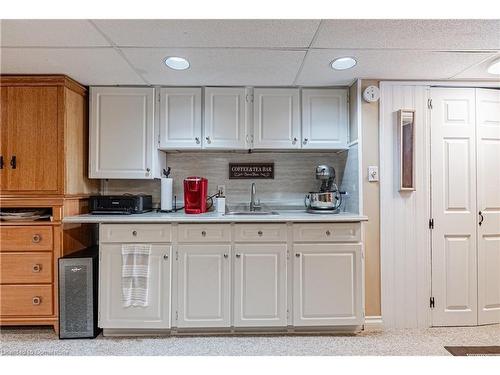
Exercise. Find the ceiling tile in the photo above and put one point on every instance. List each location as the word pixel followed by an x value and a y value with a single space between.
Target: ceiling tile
pixel 410 34
pixel 209 33
pixel 50 33
pixel 89 66
pixel 380 64
pixel 480 71
pixel 229 67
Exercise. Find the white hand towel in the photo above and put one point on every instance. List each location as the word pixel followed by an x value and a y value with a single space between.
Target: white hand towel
pixel 135 274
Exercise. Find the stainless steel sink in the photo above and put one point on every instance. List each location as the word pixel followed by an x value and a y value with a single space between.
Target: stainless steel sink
pixel 252 213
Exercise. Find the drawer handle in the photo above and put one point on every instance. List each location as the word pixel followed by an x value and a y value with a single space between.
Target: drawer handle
pixel 203 233
pixel 36 300
pixel 328 232
pixel 238 255
pixel 36 267
pixel 226 255
pixel 36 238
pixel 260 233
pixel 134 233
pixel 297 255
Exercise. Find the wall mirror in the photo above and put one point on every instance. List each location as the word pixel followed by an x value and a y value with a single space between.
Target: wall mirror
pixel 406 149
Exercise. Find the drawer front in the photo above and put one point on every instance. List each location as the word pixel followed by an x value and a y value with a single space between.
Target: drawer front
pixel 25 268
pixel 327 232
pixel 204 233
pixel 26 238
pixel 136 233
pixel 26 300
pixel 260 232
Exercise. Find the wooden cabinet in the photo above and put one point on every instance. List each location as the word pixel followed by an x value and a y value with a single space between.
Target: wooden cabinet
pixel 112 313
pixel 226 118
pixel 204 285
pixel 276 119
pixel 260 285
pixel 327 285
pixel 180 118
pixel 122 139
pixel 324 119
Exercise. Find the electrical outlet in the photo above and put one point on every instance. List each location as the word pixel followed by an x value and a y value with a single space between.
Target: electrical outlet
pixel 372 173
pixel 222 188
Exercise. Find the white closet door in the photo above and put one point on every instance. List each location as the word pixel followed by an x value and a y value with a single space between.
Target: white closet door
pixel 453 169
pixel 226 114
pixel 488 203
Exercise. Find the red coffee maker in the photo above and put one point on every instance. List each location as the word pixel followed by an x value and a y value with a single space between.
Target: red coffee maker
pixel 195 195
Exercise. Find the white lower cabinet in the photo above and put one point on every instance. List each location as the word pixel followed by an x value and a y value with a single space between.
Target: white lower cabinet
pixel 204 285
pixel 260 285
pixel 327 285
pixel 112 313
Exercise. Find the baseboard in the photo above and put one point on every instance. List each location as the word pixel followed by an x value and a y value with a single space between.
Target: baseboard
pixel 373 323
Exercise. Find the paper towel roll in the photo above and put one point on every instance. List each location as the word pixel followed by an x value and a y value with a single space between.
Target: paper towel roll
pixel 166 194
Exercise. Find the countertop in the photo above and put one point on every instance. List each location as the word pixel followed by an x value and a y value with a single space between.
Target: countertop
pixel 213 217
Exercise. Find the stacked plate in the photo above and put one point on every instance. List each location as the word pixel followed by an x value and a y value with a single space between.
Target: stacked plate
pixel 23 214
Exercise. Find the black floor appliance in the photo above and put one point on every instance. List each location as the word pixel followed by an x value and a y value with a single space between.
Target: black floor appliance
pixel 78 277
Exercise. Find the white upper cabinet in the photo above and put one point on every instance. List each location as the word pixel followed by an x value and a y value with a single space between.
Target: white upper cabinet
pixel 324 119
pixel 121 132
pixel 226 118
pixel 180 118
pixel 276 118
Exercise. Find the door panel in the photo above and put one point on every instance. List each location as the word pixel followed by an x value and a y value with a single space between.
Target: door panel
pixel 260 285
pixel 453 169
pixel 204 286
pixel 488 201
pixel 30 133
pixel 112 313
pixel 226 116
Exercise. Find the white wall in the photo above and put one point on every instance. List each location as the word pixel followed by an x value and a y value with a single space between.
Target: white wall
pixel 404 232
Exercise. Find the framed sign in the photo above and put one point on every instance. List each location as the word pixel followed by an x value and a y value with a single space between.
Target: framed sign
pixel 251 170
pixel 406 149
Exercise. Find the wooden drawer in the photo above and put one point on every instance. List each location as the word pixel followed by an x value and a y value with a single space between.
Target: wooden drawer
pixel 25 268
pixel 327 232
pixel 204 232
pixel 260 232
pixel 136 233
pixel 26 238
pixel 26 300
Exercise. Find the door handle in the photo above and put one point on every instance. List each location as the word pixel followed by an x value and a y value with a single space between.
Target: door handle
pixel 1 162
pixel 13 162
pixel 481 218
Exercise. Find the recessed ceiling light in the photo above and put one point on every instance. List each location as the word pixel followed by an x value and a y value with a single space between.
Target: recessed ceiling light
pixel 494 67
pixel 177 63
pixel 343 63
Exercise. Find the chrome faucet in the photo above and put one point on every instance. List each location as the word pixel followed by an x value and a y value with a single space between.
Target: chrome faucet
pixel 254 206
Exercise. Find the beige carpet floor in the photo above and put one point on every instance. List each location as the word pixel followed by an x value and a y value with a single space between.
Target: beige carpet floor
pixel 42 341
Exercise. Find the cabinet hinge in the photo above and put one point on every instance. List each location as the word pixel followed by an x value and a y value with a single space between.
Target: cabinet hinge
pixel 429 103
pixel 176 315
pixel 176 255
pixel 432 303
pixel 431 223
pixel 158 97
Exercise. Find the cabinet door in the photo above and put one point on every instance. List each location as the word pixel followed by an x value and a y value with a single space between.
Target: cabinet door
pixel 226 114
pixel 204 286
pixel 121 132
pixel 276 118
pixel 327 285
pixel 112 314
pixel 488 201
pixel 324 119
pixel 180 118
pixel 260 285
pixel 30 135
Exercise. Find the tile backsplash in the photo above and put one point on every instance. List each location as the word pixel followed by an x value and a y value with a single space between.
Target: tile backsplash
pixel 294 175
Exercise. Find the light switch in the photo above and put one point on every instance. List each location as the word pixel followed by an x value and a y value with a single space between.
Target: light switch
pixel 372 173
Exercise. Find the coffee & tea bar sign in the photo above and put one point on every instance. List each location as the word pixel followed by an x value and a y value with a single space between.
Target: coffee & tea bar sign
pixel 251 170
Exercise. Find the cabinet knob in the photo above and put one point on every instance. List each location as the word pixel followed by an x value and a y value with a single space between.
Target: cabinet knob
pixel 226 255
pixel 305 141
pixel 260 233
pixel 36 238
pixel 165 256
pixel 36 300
pixel 297 255
pixel 134 233
pixel 208 140
pixel 197 140
pixel 328 233
pixel 148 170
pixel 13 162
pixel 238 255
pixel 294 141
pixel 203 233
pixel 36 267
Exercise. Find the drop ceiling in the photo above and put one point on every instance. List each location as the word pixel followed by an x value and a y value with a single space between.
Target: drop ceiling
pixel 249 52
